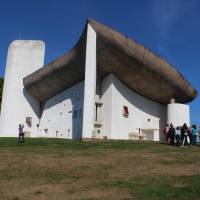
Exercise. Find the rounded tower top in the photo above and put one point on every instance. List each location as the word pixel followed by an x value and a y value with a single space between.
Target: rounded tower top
pixel 24 43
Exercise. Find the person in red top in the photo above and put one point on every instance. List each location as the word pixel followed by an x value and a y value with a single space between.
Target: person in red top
pixel 166 132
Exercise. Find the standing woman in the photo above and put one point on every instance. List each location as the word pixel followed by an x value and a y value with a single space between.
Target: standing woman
pixel 185 134
pixel 178 135
pixel 166 132
pixel 194 135
pixel 190 135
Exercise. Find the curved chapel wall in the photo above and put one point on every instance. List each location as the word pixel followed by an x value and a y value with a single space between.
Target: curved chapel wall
pixel 178 114
pixel 143 113
pixel 24 57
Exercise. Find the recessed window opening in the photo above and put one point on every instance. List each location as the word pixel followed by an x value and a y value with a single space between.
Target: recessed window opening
pixel 29 121
pixel 125 111
pixel 46 130
pixel 96 112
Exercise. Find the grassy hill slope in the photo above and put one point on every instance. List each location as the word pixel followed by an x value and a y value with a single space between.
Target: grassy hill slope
pixel 65 169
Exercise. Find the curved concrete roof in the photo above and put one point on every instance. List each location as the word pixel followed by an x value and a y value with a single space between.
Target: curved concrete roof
pixel 137 67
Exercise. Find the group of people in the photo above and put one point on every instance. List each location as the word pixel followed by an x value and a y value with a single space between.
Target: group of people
pixel 181 135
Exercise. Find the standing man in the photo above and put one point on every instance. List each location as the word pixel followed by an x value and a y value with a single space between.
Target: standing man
pixel 21 133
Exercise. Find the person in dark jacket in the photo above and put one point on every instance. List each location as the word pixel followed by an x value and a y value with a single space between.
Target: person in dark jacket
pixel 171 133
pixel 184 134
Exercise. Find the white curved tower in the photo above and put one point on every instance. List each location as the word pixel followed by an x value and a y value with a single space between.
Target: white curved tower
pixel 18 107
pixel 178 114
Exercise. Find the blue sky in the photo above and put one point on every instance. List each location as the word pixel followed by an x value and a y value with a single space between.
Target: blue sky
pixel 171 28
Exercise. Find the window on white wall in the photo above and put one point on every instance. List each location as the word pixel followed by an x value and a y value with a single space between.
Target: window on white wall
pixel 29 121
pixel 125 111
pixel 46 130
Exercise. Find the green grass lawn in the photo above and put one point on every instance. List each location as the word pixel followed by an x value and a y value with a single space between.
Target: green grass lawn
pixel 64 169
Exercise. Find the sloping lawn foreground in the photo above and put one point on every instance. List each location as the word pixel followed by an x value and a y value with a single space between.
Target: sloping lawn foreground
pixel 62 169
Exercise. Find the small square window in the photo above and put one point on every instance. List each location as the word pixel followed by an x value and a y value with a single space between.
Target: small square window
pixel 125 111
pixel 29 121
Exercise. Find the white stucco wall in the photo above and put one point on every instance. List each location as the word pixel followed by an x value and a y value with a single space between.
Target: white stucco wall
pixel 24 57
pixel 90 84
pixel 115 95
pixel 57 116
pixel 178 114
pixel 106 98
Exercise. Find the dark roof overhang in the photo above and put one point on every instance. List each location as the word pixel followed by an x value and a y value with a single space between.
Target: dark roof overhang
pixel 137 67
